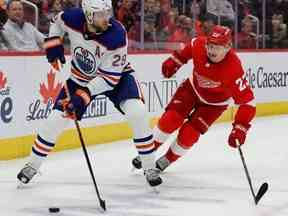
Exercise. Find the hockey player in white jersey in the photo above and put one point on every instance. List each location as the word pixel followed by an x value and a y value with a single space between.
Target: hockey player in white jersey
pixel 99 66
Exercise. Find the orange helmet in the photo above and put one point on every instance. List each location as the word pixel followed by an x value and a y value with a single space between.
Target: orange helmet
pixel 220 35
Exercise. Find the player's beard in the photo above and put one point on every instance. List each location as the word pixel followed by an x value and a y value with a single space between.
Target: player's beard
pixel 97 29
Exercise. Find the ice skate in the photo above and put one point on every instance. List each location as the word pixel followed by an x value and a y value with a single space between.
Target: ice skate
pixel 26 174
pixel 136 163
pixel 162 163
pixel 152 176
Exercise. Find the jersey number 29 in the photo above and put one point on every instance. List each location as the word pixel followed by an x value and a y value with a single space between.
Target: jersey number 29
pixel 119 60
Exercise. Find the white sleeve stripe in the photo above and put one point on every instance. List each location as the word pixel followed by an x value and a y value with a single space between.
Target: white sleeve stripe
pixel 192 41
pixel 251 103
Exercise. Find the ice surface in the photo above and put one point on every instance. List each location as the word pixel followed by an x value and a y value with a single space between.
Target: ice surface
pixel 209 180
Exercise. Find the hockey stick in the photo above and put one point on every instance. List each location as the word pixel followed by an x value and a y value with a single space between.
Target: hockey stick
pixel 101 201
pixel 264 187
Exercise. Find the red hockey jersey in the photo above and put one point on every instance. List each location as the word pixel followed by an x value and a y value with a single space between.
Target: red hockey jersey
pixel 216 83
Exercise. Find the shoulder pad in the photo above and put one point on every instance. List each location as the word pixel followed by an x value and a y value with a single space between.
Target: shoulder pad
pixel 74 18
pixel 114 37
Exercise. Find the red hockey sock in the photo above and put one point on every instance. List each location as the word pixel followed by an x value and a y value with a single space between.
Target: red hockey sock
pixel 187 136
pixel 171 156
pixel 157 144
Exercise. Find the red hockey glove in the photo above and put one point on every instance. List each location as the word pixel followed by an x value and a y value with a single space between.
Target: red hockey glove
pixel 171 65
pixel 238 135
pixel 76 106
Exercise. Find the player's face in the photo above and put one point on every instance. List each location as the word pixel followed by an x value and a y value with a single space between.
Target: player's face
pixel 216 53
pixel 101 19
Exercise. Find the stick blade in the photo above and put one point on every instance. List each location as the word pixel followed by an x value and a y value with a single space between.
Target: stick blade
pixel 263 189
pixel 102 204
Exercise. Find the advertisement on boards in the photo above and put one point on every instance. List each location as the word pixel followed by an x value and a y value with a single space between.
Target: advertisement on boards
pixel 28 88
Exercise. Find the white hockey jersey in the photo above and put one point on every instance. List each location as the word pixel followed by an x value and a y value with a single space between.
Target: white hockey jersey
pixel 98 60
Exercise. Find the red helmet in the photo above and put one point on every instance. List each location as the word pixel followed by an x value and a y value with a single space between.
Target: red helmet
pixel 220 35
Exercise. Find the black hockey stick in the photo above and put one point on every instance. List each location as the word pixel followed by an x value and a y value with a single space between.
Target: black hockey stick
pixel 264 187
pixel 101 201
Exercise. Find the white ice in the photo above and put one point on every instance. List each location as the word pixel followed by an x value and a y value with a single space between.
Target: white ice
pixel 209 180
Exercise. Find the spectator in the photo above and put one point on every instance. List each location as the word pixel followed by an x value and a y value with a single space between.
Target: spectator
pixel 279 31
pixel 246 37
pixel 70 3
pixel 193 9
pixel 126 15
pixel 3 4
pixel 150 17
pixel 182 33
pixel 55 6
pixel 244 9
pixel 194 12
pixel 165 7
pixel 21 35
pixel 205 24
pixel 29 15
pixel 165 31
pixel 222 9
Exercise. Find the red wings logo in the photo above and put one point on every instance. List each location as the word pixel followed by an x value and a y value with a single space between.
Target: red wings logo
pixel 3 80
pixel 50 91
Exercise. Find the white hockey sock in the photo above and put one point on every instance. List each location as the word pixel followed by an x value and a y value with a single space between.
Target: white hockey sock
pixel 148 161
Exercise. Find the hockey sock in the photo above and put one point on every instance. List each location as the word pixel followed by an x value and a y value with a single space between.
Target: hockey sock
pixel 157 145
pixel 187 136
pixel 145 148
pixel 168 123
pixel 40 150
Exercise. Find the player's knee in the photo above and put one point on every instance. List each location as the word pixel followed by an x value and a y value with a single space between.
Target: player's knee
pixel 170 121
pixel 137 117
pixel 53 126
pixel 187 135
pixel 134 109
pixel 199 124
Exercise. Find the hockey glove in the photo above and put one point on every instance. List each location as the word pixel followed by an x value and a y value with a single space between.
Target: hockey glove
pixel 76 106
pixel 171 65
pixel 54 51
pixel 238 135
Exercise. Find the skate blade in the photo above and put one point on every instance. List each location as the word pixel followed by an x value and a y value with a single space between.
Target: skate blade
pixel 154 189
pixel 20 185
pixel 134 169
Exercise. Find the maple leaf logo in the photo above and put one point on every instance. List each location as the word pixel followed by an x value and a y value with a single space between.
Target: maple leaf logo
pixel 3 80
pixel 50 91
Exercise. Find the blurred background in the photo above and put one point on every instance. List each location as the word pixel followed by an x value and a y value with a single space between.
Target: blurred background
pixel 163 25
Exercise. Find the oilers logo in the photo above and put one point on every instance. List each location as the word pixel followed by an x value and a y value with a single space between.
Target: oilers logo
pixel 85 60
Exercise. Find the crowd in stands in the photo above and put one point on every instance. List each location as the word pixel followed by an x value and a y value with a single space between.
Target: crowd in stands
pixel 166 24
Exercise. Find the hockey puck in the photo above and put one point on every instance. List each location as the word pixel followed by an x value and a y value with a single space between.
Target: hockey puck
pixel 54 209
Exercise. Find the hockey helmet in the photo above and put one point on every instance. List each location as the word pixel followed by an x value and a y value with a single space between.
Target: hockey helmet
pixel 95 9
pixel 220 35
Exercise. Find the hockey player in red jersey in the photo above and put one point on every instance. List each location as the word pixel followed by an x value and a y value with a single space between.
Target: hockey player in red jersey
pixel 216 79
